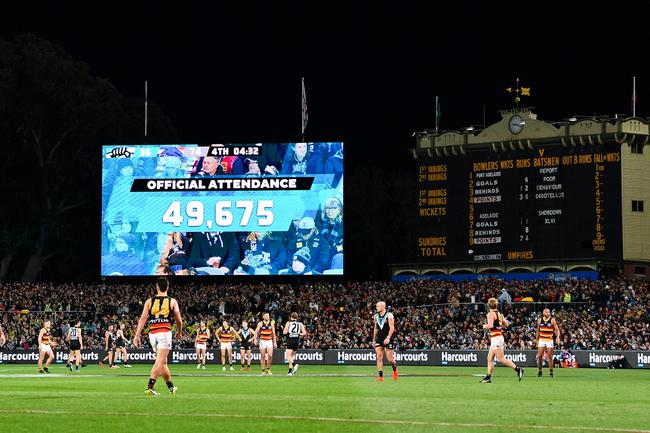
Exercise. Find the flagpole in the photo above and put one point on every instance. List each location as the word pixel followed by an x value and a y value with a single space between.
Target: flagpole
pixel 146 109
pixel 303 108
pixel 633 96
pixel 437 114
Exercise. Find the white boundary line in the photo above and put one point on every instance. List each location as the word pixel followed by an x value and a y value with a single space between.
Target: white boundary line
pixel 330 419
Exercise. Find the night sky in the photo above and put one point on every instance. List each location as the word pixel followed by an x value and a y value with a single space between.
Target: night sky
pixel 231 72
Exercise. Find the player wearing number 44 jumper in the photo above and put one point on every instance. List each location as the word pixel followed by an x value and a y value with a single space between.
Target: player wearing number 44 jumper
pixel 294 330
pixel 158 312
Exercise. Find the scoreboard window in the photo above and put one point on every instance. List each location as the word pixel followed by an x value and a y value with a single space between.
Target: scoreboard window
pixel 547 203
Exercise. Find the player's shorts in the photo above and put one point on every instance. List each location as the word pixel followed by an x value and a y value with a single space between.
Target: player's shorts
pixel 293 344
pixel 245 345
pixel 545 343
pixel 389 346
pixel 266 344
pixel 120 345
pixel 44 347
pixel 200 346
pixel 226 346
pixel 75 345
pixel 497 342
pixel 161 340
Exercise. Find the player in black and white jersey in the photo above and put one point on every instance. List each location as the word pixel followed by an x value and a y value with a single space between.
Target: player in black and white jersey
pixel 75 341
pixel 109 347
pixel 383 335
pixel 294 330
pixel 120 346
pixel 246 339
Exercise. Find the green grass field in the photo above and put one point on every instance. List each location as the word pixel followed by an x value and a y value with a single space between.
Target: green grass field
pixel 323 399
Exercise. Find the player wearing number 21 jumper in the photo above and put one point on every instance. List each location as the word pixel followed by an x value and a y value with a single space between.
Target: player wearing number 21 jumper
pixel 294 330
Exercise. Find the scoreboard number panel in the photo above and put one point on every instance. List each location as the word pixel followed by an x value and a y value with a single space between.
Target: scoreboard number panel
pixel 547 203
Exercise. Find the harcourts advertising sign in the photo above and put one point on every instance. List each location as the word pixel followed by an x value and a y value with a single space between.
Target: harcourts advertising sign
pixel 468 358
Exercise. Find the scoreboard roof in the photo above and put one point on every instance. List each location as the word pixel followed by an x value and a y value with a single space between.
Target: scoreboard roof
pixel 520 129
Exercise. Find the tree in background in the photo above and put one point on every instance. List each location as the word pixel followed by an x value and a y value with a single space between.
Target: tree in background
pixel 54 117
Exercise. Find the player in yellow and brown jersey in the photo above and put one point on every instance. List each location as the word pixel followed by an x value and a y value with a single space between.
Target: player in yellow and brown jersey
pixel 496 323
pixel 268 341
pixel 158 312
pixel 546 329
pixel 45 344
pixel 201 344
pixel 226 334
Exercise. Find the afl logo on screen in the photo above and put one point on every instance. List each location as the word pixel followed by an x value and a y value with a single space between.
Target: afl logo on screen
pixel 121 152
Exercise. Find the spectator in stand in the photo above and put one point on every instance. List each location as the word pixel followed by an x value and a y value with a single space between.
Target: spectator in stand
pixel 335 314
pixel 332 227
pixel 504 298
pixel 298 160
pixel 219 250
pixel 123 260
pixel 308 237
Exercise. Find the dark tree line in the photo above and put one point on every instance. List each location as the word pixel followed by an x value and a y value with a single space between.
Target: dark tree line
pixel 54 117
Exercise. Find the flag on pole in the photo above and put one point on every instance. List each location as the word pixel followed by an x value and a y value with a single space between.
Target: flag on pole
pixel 146 108
pixel 305 116
pixel 437 114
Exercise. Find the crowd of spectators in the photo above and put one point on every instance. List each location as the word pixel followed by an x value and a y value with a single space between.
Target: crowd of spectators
pixel 605 314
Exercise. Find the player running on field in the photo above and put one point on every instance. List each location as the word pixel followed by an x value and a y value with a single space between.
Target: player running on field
pixel 496 323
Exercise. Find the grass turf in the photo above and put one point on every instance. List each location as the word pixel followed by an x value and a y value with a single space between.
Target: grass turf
pixel 324 399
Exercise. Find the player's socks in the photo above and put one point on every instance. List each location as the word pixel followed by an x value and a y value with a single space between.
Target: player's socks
pixel 539 372
pixel 395 374
pixel 170 384
pixel 151 383
pixel 380 373
pixel 520 373
pixel 550 373
pixel 45 369
pixel 487 379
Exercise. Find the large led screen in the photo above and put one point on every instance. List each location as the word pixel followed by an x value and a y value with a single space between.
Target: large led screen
pixel 222 209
